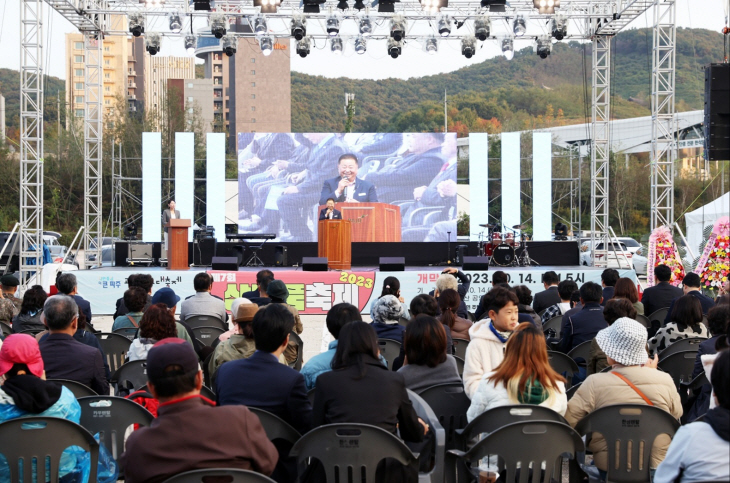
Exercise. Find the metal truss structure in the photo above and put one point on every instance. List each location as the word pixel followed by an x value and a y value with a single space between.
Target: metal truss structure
pixel 600 144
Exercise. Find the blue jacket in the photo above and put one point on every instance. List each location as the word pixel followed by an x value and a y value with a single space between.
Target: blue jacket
pixel 364 191
pixel 581 327
pixel 389 331
pixel 320 364
pixel 706 302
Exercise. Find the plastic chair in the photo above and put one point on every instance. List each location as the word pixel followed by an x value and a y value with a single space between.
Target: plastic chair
pixel 688 392
pixel 115 348
pixel 581 351
pixel 220 475
pixel 679 365
pixel 204 321
pixel 275 427
pixel 350 453
pixel 460 348
pixel 627 426
pixel 32 332
pixel 556 324
pixel 206 335
pixel 450 403
pixel 206 364
pixel 389 349
pixel 643 320
pixel 110 417
pixel 562 364
pixel 570 392
pixel 40 438
pixel 424 411
pixel 6 329
pixel 658 315
pixel 133 372
pixel 297 364
pixel 78 389
pixel 690 344
pixel 536 442
pixel 128 332
pixel 460 365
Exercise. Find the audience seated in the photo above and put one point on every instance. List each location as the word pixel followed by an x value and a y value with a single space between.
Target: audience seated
pixel 66 285
pixel 626 289
pixel 550 295
pixel 135 300
pixel 609 277
pixel 8 286
pixel 261 381
pixel 565 290
pixel 386 312
pixel 189 432
pixel 65 357
pixel 523 377
pixel 585 324
pixel 686 316
pixel 279 294
pixel 633 380
pixel 691 286
pixel 141 280
pixel 156 324
pixel 29 317
pixel 167 296
pixel 263 277
pixel 454 279
pixel 339 315
pixel 426 361
pixel 449 302
pixel 660 296
pixel 498 278
pixel 203 302
pixel 615 309
pixel 488 337
pixel 7 310
pixel 391 286
pixel 699 451
pixel 524 295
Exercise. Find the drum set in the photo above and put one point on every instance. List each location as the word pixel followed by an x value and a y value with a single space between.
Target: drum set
pixel 501 244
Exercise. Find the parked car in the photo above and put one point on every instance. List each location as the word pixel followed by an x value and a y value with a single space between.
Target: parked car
pixel 58 251
pixel 107 250
pixel 9 260
pixel 630 243
pixel 640 261
pixel 612 253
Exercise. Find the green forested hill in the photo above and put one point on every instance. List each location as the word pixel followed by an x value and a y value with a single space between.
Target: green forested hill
pixel 524 92
pixel 10 89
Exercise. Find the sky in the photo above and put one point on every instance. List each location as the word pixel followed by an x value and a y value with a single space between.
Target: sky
pixel 374 64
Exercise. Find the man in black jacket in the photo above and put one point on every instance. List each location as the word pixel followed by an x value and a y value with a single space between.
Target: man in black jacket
pixel 584 325
pixel 550 295
pixel 609 277
pixel 660 296
pixel 66 284
pixel 691 286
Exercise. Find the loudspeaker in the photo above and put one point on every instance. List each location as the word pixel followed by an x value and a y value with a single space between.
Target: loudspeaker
pixel 280 256
pixel 204 251
pixel 476 263
pixel 717 112
pixel 461 252
pixel 225 263
pixel 314 264
pixel 392 264
pixel 140 252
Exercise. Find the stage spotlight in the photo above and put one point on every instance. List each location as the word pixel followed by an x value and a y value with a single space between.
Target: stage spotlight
pixel 482 27
pixel 561 232
pixel 298 27
pixel 267 44
pixel 386 6
pixel 519 26
pixel 444 26
pixel 136 24
pixel 201 5
pixel 229 44
pixel 342 5
pixel 398 28
pixel 359 5
pixel 559 27
pixel 130 231
pixel 432 45
pixel 394 48
pixel 468 47
pixel 333 25
pixel 360 45
pixel 544 46
pixel 546 6
pixel 366 26
pixel 303 47
pixel 153 42
pixel 336 45
pixel 218 25
pixel 311 6
pixel 267 6
pixel 434 6
pixel 175 22
pixel 259 25
pixel 495 5
pixel 508 48
pixel 190 43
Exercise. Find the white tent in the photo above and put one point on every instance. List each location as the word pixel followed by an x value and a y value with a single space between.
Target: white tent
pixel 698 219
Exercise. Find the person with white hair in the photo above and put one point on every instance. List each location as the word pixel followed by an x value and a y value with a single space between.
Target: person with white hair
pixel 454 279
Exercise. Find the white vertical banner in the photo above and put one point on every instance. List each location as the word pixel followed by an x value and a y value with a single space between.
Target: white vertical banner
pixel 510 179
pixel 542 186
pixel 215 199
pixel 478 184
pixel 185 176
pixel 152 186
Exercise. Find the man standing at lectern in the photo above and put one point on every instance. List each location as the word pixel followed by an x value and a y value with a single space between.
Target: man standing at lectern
pixel 347 187
pixel 168 215
pixel 329 213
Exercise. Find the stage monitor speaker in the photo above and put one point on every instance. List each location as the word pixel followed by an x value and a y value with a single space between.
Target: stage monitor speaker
pixel 461 252
pixel 140 252
pixel 392 264
pixel 717 112
pixel 225 263
pixel 280 256
pixel 204 251
pixel 314 264
pixel 476 263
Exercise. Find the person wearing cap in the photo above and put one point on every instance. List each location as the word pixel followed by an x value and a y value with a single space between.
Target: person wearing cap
pixel 167 296
pixel 189 432
pixel 8 286
pixel 386 313
pixel 278 293
pixel 633 380
pixel 65 357
pixel 203 303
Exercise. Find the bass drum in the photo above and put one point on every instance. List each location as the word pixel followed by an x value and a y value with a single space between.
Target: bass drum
pixel 504 255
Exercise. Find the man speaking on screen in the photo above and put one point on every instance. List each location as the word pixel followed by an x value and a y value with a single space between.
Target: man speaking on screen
pixel 347 187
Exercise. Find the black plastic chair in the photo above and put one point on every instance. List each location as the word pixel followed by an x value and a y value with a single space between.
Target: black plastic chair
pixel 389 349
pixel 115 348
pixel 6 329
pixel 643 320
pixel 350 453
pixel 625 426
pixel 688 392
pixel 460 365
pixel 658 316
pixel 690 344
pixel 78 389
pixel 526 442
pixel 39 437
pixel 581 353
pixel 297 364
pixel 570 392
pixel 556 324
pixel 110 417
pixel 450 403
pixel 562 364
pixel 206 335
pixel 206 365
pixel 220 475
pixel 204 321
pixel 679 365
pixel 275 427
pixel 424 411
pixel 460 348
pixel 128 332
pixel 130 376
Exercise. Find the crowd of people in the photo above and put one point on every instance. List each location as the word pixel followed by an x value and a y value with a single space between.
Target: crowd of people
pixel 507 362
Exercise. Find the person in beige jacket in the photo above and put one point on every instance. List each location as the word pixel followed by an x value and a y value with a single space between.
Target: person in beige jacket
pixel 624 343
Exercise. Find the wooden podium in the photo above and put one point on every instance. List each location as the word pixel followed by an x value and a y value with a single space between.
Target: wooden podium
pixel 177 240
pixel 372 222
pixel 334 242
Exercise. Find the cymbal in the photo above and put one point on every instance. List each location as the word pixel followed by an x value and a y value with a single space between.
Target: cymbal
pixel 488 225
pixel 518 227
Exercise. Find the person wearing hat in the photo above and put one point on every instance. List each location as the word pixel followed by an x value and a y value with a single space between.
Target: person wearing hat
pixel 189 432
pixel 167 296
pixel 8 286
pixel 203 303
pixel 633 380
pixel 278 293
pixel 386 312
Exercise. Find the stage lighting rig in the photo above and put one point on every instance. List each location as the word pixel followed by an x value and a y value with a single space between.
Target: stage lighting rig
pixel 303 47
pixel 218 25
pixel 267 6
pixel 519 25
pixel 398 28
pixel 546 6
pixel 482 27
pixel 366 26
pixel 175 22
pixel 444 26
pixel 152 42
pixel 394 48
pixel 495 5
pixel 432 45
pixel 559 27
pixel 342 5
pixel 508 48
pixel 544 46
pixel 336 45
pixel 298 27
pixel 267 45
pixel 152 3
pixel 385 6
pixel 259 25
pixel 190 43
pixel 229 43
pixel 360 45
pixel 359 5
pixel 136 23
pixel 311 6
pixel 434 6
pixel 201 5
pixel 468 46
pixel 333 25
